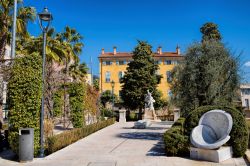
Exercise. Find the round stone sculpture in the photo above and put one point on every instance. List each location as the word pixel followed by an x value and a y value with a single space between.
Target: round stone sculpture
pixel 213 130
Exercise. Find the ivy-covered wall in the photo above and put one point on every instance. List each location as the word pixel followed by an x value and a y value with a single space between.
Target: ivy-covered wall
pixel 58 103
pixel 76 101
pixel 24 98
pixel 91 100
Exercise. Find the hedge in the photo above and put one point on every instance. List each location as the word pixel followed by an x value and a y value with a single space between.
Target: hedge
pixel 24 98
pixel 176 143
pixel 239 133
pixel 76 101
pixel 57 142
pixel 58 103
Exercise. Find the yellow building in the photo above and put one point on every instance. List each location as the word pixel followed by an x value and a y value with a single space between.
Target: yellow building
pixel 113 65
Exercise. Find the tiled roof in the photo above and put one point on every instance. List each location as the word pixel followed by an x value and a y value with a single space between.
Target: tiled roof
pixel 126 54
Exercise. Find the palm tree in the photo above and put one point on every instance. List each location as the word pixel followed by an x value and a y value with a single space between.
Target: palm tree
pixel 78 71
pixel 55 49
pixel 24 15
pixel 71 40
pixel 72 43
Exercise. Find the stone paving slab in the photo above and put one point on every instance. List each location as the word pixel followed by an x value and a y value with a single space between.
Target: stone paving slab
pixel 120 145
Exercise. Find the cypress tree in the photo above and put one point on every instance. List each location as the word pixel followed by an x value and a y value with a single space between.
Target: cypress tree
pixel 140 77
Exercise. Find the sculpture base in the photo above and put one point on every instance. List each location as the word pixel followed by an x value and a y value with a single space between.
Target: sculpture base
pixel 122 115
pixel 142 124
pixel 215 155
pixel 149 114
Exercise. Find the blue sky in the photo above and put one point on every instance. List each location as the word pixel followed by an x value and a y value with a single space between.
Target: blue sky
pixel 108 23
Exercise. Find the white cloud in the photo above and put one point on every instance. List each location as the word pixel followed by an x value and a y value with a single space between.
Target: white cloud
pixel 247 64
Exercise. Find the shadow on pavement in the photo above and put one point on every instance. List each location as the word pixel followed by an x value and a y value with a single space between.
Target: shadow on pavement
pixel 157 150
pixel 141 135
pixel 9 155
pixel 158 128
pixel 149 128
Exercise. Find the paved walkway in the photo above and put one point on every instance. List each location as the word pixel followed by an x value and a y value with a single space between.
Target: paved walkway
pixel 120 145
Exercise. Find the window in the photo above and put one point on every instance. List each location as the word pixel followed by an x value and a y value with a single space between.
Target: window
pixel 107 63
pixel 174 62
pixel 246 91
pixel 107 76
pixel 120 75
pixel 167 62
pixel 122 62
pixel 157 62
pixel 247 103
pixel 169 76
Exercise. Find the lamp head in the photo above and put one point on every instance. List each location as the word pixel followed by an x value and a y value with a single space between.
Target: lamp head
pixel 45 15
pixel 112 83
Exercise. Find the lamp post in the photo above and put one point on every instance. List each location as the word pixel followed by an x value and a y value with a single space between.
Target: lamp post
pixel 112 85
pixel 13 45
pixel 44 17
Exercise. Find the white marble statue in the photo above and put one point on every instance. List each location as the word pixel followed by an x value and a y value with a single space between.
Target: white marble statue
pixel 213 130
pixel 149 101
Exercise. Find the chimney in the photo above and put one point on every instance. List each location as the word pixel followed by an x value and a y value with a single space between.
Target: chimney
pixel 102 51
pixel 178 50
pixel 114 50
pixel 159 50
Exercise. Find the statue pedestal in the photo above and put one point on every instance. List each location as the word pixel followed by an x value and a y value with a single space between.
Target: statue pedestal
pixel 142 124
pixel 177 114
pixel 149 114
pixel 215 155
pixel 122 115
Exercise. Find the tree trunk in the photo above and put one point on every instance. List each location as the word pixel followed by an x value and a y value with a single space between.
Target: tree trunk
pixel 3 42
pixel 140 114
pixel 1 113
pixel 51 82
pixel 65 94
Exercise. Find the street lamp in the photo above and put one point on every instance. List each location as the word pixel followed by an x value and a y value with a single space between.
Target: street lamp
pixel 112 85
pixel 45 19
pixel 13 45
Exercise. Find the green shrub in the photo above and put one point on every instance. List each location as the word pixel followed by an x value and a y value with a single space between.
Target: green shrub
pixel 176 143
pixel 58 103
pixel 76 101
pixel 5 126
pixel 239 132
pixel 24 98
pixel 132 116
pixel 105 112
pixel 57 142
pixel 179 124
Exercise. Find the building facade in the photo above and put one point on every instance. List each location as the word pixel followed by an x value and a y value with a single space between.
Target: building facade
pixel 245 95
pixel 112 66
pixel 3 83
pixel 89 79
